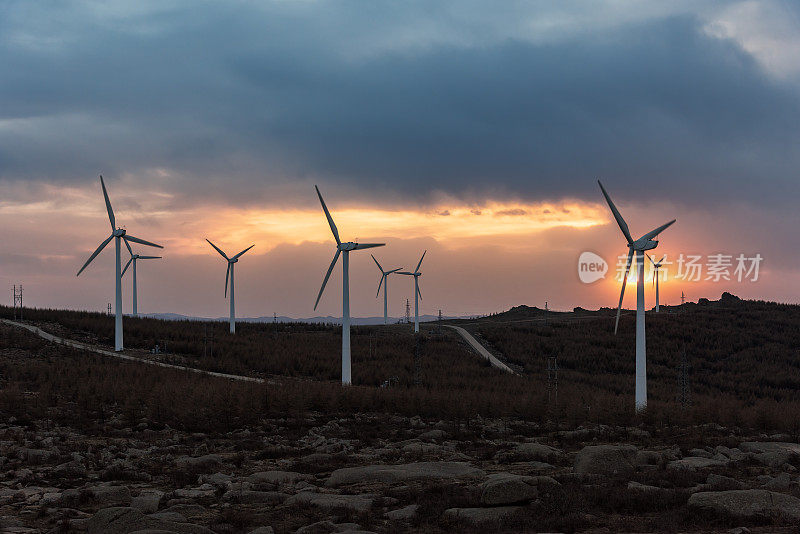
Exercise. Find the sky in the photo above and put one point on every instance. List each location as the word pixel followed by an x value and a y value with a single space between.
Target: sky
pixel 473 130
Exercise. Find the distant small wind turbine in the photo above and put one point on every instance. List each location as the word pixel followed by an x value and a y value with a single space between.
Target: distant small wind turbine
pixel 385 282
pixel 229 274
pixel 343 249
pixel 118 234
pixel 417 294
pixel 656 267
pixel 133 260
pixel 639 246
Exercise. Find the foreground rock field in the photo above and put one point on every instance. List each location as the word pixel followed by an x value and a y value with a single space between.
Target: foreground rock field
pixel 380 473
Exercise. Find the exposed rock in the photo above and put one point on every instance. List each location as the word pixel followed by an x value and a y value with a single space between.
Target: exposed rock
pixel 695 462
pixel 262 530
pixel 789 450
pixel 107 496
pixel 403 514
pixel 478 516
pixel 204 463
pixel 389 474
pixel 613 460
pixel 506 488
pixel 253 497
pixel 537 452
pixel 147 501
pixel 720 483
pixel 359 503
pixel 747 504
pixel 644 488
pixel 277 477
pixel 128 520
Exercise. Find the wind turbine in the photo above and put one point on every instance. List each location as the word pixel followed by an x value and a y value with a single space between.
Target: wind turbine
pixel 656 266
pixel 134 258
pixel 118 234
pixel 639 246
pixel 417 295
pixel 385 282
pixel 229 274
pixel 343 249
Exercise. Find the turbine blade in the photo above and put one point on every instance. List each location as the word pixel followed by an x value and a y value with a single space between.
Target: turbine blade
pixel 227 275
pixel 149 257
pixel 649 258
pixel 620 221
pixel 622 292
pixel 218 250
pixel 129 247
pixel 330 219
pixel 420 261
pixel 652 233
pixel 394 270
pixel 418 291
pixel 379 285
pixel 327 275
pixel 96 252
pixel 142 241
pixel 359 246
pixel 406 273
pixel 242 252
pixel 126 267
pixel 376 263
pixel 111 218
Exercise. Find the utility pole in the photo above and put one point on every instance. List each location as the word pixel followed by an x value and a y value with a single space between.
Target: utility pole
pixel 683 298
pixel 439 325
pixel 545 313
pixel 408 312
pixel 275 321
pixel 17 301
pixel 109 309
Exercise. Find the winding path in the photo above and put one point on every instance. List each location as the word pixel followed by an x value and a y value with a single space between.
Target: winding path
pixel 480 349
pixel 83 346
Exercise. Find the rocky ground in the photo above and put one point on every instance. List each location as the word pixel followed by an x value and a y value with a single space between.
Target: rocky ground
pixel 378 473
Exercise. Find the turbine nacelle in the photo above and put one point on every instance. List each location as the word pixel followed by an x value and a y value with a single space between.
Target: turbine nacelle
pixel 119 232
pixel 644 244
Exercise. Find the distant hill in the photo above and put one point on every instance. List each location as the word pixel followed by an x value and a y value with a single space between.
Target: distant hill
pixel 283 319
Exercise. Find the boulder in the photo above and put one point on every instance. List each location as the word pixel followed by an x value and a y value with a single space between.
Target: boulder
pixel 107 496
pixel 609 460
pixel 772 453
pixel 253 497
pixel 204 463
pixel 479 516
pixel 506 488
pixel 390 474
pixel 147 501
pixel 358 503
pixel 403 514
pixel 693 463
pixel 747 504
pixel 277 477
pixel 537 452
pixel 127 520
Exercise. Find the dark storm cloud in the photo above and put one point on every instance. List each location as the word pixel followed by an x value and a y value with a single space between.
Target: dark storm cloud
pixel 231 97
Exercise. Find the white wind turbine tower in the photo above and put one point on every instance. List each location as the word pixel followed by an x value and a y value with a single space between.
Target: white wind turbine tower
pixel 639 246
pixel 385 282
pixel 656 267
pixel 133 260
pixel 229 274
pixel 417 295
pixel 118 234
pixel 343 249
